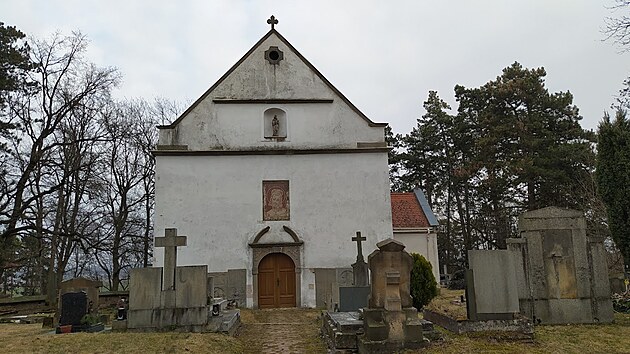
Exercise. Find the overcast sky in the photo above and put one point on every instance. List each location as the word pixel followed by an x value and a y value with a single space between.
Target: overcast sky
pixel 383 55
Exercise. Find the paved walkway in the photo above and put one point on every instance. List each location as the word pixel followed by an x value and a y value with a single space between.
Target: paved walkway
pixel 281 331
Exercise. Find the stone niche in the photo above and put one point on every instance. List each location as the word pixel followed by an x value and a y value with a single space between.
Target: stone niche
pixel 280 117
pixel 562 275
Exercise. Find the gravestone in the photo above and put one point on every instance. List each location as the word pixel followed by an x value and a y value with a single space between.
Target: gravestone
pixel 325 278
pixel 74 305
pixel 89 288
pixel 360 268
pixel 174 297
pixel 391 322
pixel 491 287
pixel 237 280
pixel 354 296
pixel 562 275
pixel 210 289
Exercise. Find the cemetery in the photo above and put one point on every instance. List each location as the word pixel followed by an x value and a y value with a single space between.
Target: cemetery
pixel 273 223
pixel 375 313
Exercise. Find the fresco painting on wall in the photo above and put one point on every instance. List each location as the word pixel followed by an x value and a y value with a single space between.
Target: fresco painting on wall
pixel 275 200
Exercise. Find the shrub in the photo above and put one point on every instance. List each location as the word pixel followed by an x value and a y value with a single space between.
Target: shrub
pixel 621 302
pixel 423 284
pixel 89 319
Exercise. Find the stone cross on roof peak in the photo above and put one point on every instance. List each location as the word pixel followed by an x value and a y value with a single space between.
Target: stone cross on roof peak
pixel 272 21
pixel 170 241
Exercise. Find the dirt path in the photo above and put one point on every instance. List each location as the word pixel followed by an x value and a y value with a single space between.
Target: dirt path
pixel 281 331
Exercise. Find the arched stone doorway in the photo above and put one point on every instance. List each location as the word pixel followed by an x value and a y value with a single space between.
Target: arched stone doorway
pixel 276 281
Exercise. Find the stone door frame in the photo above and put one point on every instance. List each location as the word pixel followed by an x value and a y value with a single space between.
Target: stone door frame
pixel 291 249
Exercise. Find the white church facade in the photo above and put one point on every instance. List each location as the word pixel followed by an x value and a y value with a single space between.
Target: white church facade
pixel 270 173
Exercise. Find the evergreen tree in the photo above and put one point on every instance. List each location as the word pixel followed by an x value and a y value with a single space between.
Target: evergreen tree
pixel 613 179
pixel 423 284
pixel 512 146
pixel 531 151
pixel 15 65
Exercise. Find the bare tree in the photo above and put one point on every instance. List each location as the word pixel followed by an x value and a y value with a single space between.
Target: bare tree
pixel 617 28
pixel 66 85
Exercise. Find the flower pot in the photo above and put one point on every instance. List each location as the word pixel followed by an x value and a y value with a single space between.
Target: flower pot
pixel 66 329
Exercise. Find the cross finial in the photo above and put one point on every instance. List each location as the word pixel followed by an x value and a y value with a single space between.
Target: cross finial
pixel 272 21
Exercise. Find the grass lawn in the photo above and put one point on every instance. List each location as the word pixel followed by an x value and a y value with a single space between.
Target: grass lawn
pixel 584 339
pixel 33 339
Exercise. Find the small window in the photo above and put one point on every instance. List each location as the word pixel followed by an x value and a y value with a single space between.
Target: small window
pixel 275 121
pixel 274 55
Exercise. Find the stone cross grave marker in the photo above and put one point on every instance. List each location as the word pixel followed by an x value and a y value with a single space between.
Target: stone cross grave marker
pixel 170 242
pixel 360 268
pixel 358 240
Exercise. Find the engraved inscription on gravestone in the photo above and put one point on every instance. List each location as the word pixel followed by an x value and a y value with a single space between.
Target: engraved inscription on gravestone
pixel 73 307
pixel 560 264
pixel 346 278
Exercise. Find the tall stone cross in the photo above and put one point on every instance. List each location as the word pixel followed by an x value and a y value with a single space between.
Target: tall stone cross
pixel 272 21
pixel 170 241
pixel 358 240
pixel 360 268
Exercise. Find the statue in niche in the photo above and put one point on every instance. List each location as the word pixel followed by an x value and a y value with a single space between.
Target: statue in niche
pixel 275 125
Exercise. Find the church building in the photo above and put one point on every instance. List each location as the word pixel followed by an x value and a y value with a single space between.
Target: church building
pixel 270 174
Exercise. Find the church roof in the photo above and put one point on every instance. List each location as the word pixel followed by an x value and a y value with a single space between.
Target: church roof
pixel 407 211
pixel 238 63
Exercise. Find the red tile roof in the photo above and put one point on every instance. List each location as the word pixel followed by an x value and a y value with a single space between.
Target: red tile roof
pixel 407 212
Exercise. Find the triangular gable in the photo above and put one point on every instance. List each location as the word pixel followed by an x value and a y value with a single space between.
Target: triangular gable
pixel 297 53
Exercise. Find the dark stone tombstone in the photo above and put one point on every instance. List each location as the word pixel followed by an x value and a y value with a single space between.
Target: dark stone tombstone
pixel 353 298
pixel 73 307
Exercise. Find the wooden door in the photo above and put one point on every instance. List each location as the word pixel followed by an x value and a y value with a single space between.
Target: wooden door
pixel 276 281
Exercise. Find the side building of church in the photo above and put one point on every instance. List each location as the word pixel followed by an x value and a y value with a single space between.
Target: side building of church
pixel 270 173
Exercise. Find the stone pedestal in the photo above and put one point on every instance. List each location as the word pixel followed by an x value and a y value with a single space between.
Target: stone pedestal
pixel 360 272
